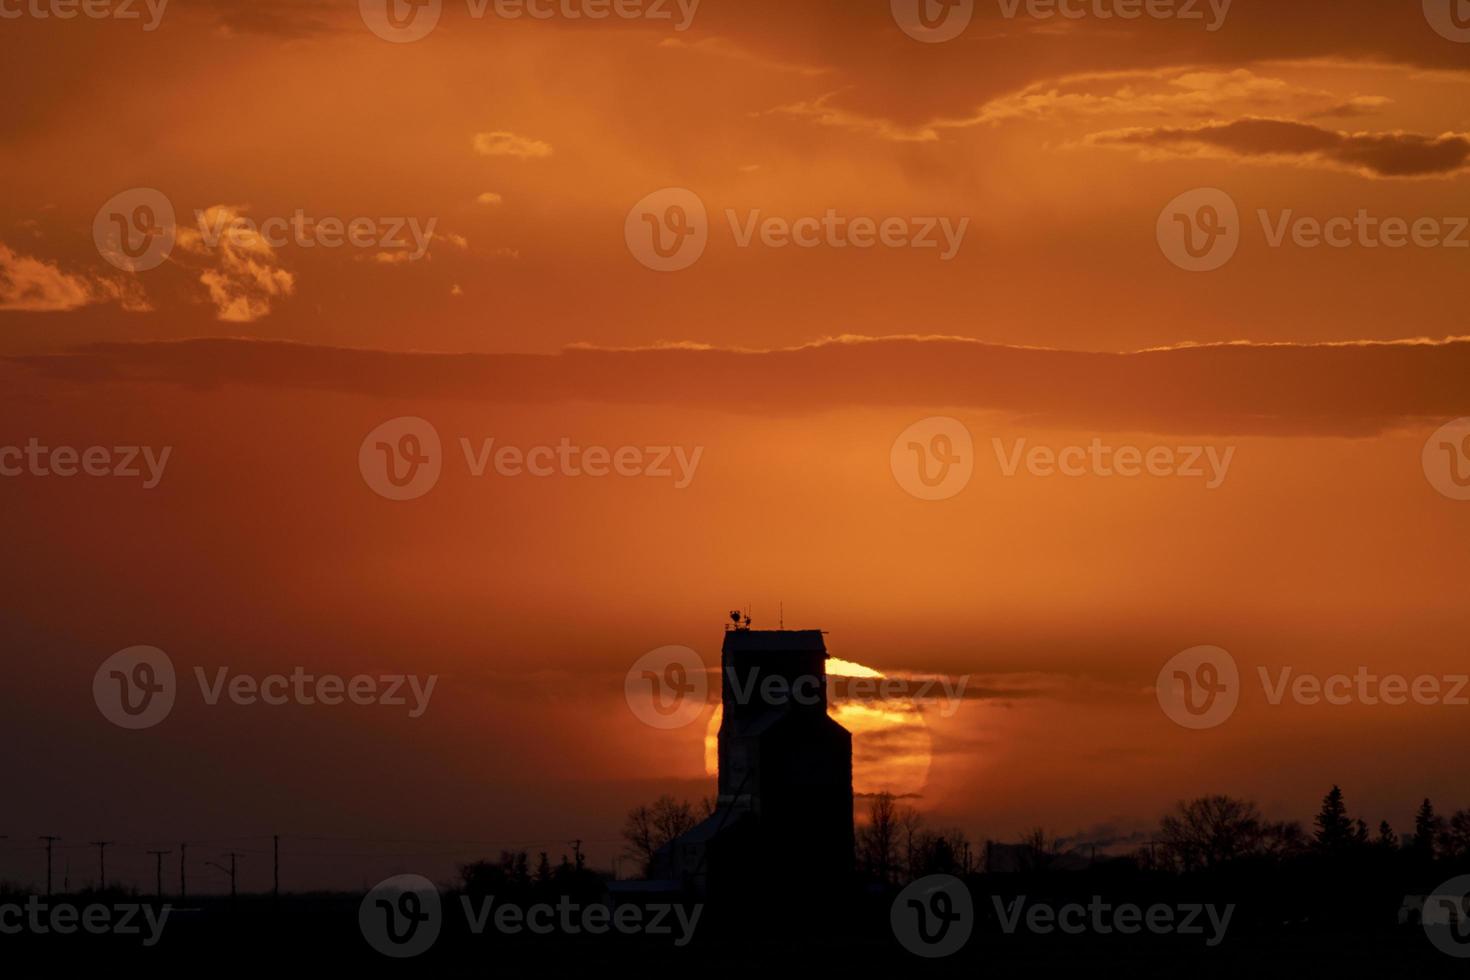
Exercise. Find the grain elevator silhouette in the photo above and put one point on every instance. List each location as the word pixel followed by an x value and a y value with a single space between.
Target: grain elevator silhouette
pixel 784 809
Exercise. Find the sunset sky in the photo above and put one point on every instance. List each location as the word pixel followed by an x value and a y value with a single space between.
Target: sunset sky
pixel 521 152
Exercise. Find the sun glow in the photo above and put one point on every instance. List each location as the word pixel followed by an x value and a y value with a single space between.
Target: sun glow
pixel 891 745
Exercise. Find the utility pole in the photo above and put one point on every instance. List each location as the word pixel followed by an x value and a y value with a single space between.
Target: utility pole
pixel 577 852
pixel 158 856
pixel 101 846
pixel 229 871
pixel 183 870
pixel 49 841
pixel 276 868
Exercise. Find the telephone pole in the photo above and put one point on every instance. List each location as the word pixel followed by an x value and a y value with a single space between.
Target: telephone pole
pixel 49 841
pixel 158 856
pixel 577 852
pixel 183 870
pixel 101 846
pixel 229 871
pixel 276 868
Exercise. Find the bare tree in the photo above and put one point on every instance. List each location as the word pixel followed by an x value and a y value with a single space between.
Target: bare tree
pixel 1212 830
pixel 888 838
pixel 649 828
pixel 1037 850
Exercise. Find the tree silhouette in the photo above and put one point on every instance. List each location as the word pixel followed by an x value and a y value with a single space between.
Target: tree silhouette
pixel 1334 828
pixel 1427 829
pixel 649 828
pixel 1210 831
pixel 878 839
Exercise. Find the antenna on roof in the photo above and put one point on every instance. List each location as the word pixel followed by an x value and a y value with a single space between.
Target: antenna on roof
pixel 783 615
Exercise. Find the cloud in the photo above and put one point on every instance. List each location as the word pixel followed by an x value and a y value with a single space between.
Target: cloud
pixel 1189 94
pixel 34 286
pixel 245 275
pixel 503 144
pixel 1396 154
pixel 821 111
pixel 1178 92
pixel 723 47
pixel 1351 389
pixel 490 198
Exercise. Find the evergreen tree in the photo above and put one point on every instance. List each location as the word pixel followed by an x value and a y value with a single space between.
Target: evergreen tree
pixel 1386 837
pixel 1334 829
pixel 1427 828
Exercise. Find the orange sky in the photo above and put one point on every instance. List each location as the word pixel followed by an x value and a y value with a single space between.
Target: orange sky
pixel 526 143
